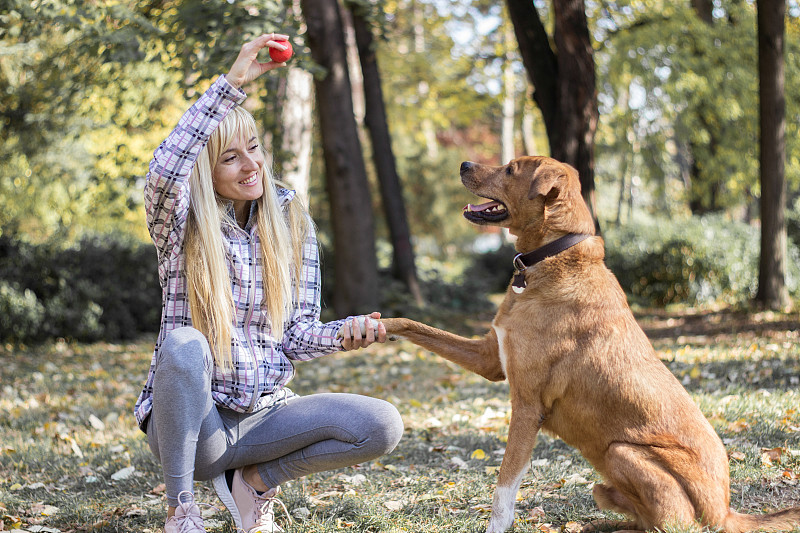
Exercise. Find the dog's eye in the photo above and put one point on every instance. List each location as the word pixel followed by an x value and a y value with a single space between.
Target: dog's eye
pixel 508 170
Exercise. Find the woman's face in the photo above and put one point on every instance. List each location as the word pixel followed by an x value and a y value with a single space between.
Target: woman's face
pixel 237 173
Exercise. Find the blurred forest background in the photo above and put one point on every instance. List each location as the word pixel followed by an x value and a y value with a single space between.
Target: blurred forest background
pixel 682 117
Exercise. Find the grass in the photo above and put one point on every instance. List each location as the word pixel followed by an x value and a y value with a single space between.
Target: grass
pixel 68 438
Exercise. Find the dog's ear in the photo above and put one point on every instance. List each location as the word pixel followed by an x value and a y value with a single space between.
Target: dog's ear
pixel 546 182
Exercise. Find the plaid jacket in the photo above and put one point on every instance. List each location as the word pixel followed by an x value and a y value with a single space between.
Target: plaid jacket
pixel 262 365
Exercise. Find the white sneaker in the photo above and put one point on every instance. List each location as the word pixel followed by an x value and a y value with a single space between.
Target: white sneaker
pixel 251 512
pixel 187 518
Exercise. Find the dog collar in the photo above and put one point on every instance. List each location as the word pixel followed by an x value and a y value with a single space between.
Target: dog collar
pixel 524 261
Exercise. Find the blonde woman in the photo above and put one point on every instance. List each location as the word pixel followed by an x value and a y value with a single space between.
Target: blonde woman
pixel 239 270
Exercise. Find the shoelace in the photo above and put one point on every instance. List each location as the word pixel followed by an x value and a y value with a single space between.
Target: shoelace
pixel 193 521
pixel 190 523
pixel 266 522
pixel 268 514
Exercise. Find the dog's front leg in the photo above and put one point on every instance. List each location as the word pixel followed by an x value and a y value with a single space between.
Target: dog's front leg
pixel 522 430
pixel 480 356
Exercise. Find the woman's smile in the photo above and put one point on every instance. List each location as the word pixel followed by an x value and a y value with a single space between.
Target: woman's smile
pixel 252 180
pixel 238 175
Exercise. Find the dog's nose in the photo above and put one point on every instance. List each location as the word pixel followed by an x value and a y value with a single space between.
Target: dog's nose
pixel 466 166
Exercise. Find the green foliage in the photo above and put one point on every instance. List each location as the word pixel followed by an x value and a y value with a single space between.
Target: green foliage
pixel 682 96
pixel 21 313
pixel 439 115
pixel 700 260
pixel 793 224
pixel 435 196
pixel 80 100
pixel 97 288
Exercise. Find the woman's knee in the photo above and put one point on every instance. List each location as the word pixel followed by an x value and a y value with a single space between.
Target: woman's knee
pixel 386 427
pixel 185 349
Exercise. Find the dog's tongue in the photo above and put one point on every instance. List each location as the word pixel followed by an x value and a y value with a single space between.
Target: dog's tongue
pixel 481 207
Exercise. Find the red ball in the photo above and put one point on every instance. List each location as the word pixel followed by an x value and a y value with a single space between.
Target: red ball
pixel 281 56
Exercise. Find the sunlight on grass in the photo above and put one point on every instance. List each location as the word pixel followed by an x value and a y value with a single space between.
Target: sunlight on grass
pixel 72 458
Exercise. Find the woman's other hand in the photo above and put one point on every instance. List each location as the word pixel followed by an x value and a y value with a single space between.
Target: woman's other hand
pixel 246 68
pixel 360 332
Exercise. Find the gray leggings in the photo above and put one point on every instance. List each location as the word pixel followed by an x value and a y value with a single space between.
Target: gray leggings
pixel 194 438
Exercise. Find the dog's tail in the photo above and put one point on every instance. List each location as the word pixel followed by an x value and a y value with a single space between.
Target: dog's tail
pixel 785 520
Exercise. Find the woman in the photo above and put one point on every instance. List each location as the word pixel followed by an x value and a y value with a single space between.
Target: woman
pixel 239 271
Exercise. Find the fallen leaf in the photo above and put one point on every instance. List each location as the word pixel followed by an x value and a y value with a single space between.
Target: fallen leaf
pixel 394 505
pixel 458 462
pixel 738 426
pixel 125 473
pixel 548 528
pixel 738 456
pixel 301 513
pixel 774 454
pixel 41 509
pixel 159 489
pixel 537 514
pixel 478 454
pixel 341 524
pixel 357 479
pixel 482 507
pixel 575 479
pixel 771 456
pixel 96 423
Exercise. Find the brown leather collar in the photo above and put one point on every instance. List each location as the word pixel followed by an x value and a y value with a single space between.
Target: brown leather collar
pixel 526 260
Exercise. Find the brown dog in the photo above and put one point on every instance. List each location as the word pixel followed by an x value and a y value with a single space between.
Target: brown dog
pixel 580 367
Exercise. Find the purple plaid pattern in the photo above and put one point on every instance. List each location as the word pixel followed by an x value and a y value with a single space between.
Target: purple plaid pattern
pixel 261 364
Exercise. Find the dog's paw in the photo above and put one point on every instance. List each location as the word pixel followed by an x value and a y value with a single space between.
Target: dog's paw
pixel 495 527
pixel 360 322
pixel 500 522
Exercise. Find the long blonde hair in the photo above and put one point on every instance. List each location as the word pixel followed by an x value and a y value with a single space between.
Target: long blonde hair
pixel 207 264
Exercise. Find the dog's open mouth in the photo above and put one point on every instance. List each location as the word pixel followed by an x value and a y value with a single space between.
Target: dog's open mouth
pixel 489 212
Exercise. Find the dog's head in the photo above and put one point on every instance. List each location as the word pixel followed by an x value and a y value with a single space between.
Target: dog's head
pixel 530 196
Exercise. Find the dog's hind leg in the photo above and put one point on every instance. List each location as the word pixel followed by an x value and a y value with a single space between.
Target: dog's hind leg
pixel 643 487
pixel 522 430
pixel 607 497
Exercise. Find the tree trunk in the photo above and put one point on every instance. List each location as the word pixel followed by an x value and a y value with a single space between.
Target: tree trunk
pixel 509 99
pixel 297 130
pixel 772 292
pixel 528 136
pixel 577 103
pixel 704 10
pixel 355 263
pixel 564 83
pixel 540 62
pixel 403 264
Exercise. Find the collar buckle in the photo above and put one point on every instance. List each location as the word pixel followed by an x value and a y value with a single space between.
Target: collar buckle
pixel 519 264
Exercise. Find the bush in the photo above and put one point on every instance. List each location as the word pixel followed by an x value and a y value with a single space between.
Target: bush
pixel 100 288
pixel 793 223
pixel 21 313
pixel 494 268
pixel 700 260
